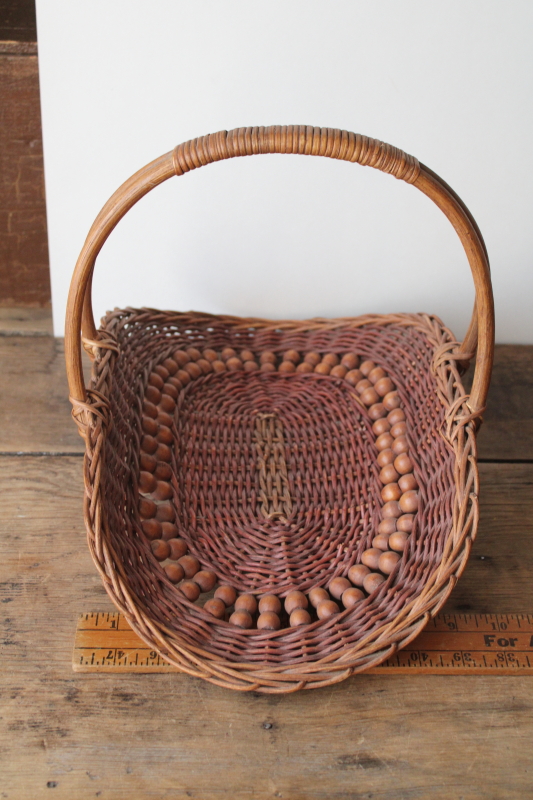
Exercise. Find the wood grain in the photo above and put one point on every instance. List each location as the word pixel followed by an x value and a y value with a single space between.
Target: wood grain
pixel 170 736
pixel 24 270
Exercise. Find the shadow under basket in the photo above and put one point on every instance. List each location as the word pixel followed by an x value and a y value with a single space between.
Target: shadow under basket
pixel 323 470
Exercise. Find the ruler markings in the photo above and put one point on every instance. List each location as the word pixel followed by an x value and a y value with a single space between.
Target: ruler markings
pixel 451 644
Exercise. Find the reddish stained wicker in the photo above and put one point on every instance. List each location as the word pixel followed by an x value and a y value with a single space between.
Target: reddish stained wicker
pixel 322 512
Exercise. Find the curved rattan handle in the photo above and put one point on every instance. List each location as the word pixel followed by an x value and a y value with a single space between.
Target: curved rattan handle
pixel 303 140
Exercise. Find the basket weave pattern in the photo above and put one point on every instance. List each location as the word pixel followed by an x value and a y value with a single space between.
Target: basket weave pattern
pixel 327 527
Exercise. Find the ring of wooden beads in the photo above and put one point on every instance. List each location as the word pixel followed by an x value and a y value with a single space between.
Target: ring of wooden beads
pixel 375 391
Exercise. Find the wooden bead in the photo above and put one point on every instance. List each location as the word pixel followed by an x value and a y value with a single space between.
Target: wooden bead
pixel 408 482
pixel 148 462
pixel 372 582
pixel 316 595
pixel 376 375
pixel 391 509
pixel 287 367
pixel 322 368
pixel 250 366
pixel 163 490
pixel 178 548
pixel 183 377
pixel 190 565
pixel 370 557
pixel 338 372
pixel 405 523
pixel 210 355
pixel 174 383
pixel 387 526
pixel 165 512
pixel 268 621
pixel 363 385
pixel 218 366
pixel 149 444
pixel 337 586
pixel 384 442
pixel 206 579
pixel 391 492
pixel 403 464
pixel 398 541
pixel 247 355
pixel 313 359
pixel 147 482
pixel 163 418
pixel 162 372
pixel 227 353
pixel 331 358
pixel 150 409
pixel 409 502
pixel 397 415
pixel 380 542
pixel 205 365
pixel 357 574
pixel 381 426
pixel 165 435
pixel 377 411
pixel 350 361
pixel 351 597
pixel 391 400
pixel 174 572
pixel 147 508
pixel 388 561
pixel 327 608
pixel 156 380
pixel 190 589
pixel 268 357
pixel 152 529
pixel 267 367
pixel 215 607
pixel 163 471
pixel 167 403
pixel 241 619
pixel 152 394
pixel 400 429
pixel 299 617
pixel 388 475
pixel 246 602
pixel 160 549
pixel 369 397
pixel 193 369
pixel 383 387
pixel 180 357
pixel 169 531
pixel 292 355
pixel 193 353
pixel 295 600
pixel 234 364
pixel 171 365
pixel 163 452
pixel 400 445
pixel 305 366
pixel 366 367
pixel 385 457
pixel 270 603
pixel 171 390
pixel 354 376
pixel 227 594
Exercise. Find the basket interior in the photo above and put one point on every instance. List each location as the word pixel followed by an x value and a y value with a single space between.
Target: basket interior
pixel 275 483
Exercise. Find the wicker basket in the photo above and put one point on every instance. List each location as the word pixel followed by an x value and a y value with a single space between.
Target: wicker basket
pixel 275 478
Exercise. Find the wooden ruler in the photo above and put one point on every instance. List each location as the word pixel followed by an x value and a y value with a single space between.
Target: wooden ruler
pixel 451 644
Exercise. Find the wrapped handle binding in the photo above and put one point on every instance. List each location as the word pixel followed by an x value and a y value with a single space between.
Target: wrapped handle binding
pixel 303 140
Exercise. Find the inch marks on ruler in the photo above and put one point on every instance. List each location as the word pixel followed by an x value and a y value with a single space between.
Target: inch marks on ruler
pixel 467 644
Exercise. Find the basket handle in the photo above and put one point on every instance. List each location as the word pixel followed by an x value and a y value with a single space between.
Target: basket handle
pixel 304 140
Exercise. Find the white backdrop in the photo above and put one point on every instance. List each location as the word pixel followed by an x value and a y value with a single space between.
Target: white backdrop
pixel 449 81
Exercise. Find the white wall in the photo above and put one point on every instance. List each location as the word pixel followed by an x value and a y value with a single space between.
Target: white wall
pixel 449 81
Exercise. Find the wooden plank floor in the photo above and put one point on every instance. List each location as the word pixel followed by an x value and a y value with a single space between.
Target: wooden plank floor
pixel 169 736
